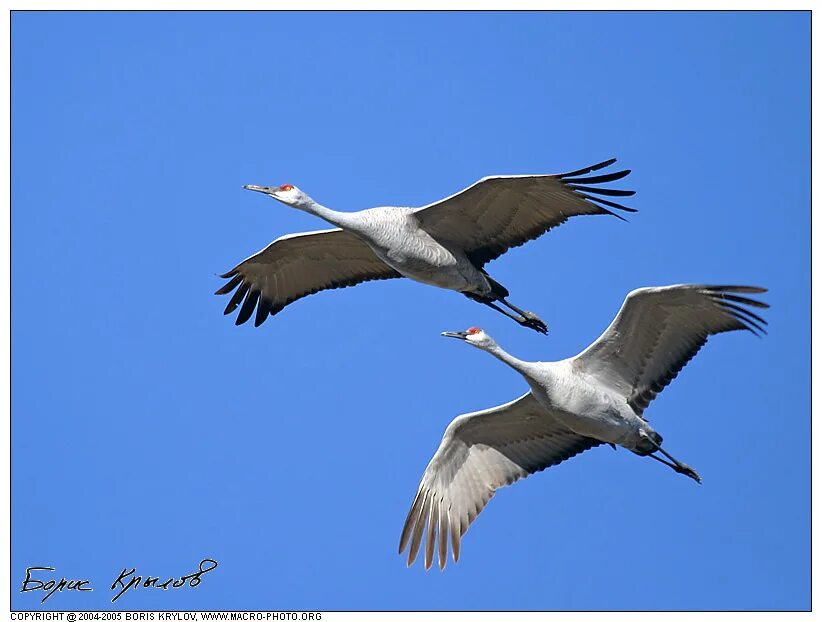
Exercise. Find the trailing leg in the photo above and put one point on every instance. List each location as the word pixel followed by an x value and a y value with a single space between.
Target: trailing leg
pixel 499 293
pixel 676 465
pixel 530 321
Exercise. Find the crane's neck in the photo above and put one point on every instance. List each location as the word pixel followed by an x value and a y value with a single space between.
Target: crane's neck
pixel 345 220
pixel 521 366
pixel 539 376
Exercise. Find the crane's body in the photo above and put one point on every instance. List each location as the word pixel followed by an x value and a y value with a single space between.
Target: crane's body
pixel 596 397
pixel 445 244
pixel 396 237
pixel 583 405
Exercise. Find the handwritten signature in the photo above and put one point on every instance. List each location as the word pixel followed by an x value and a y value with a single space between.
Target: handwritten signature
pixel 125 581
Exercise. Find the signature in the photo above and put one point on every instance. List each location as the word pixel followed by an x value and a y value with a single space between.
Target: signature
pixel 125 581
pixel 50 587
pixel 137 581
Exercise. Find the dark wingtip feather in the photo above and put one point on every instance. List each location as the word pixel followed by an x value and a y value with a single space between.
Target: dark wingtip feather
pixel 747 324
pixel 608 192
pixel 605 210
pixel 248 307
pixel 263 309
pixel 230 285
pixel 739 289
pixel 587 184
pixel 608 203
pixel 229 274
pixel 237 298
pixel 748 312
pixel 588 169
pixel 744 300
pixel 747 319
pixel 720 293
pixel 743 314
pixel 602 179
pixel 603 164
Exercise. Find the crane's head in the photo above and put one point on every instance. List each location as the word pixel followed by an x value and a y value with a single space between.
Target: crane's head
pixel 288 194
pixel 475 336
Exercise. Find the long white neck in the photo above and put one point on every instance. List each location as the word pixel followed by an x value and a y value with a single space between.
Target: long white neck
pixel 345 220
pixel 510 360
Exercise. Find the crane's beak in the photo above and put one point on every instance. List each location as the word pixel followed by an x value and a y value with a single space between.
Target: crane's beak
pixel 263 189
pixel 460 335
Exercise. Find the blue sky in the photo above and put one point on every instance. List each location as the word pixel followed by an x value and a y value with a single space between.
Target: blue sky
pixel 148 431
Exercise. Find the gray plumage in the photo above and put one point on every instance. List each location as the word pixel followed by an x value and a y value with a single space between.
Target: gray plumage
pixel 445 244
pixel 596 397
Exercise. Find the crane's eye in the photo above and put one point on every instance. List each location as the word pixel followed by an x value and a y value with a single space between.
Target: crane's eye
pixel 473 330
pixel 286 187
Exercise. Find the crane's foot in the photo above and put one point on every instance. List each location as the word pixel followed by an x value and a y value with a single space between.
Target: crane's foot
pixel 686 470
pixel 532 321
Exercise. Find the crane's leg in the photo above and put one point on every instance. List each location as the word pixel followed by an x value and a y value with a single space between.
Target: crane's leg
pixel 676 465
pixel 490 303
pixel 499 294
pixel 531 319
pixel 538 325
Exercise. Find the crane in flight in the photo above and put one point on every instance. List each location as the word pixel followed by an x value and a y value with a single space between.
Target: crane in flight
pixel 596 397
pixel 446 243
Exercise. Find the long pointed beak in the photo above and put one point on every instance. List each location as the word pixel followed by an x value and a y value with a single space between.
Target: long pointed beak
pixel 460 335
pixel 263 189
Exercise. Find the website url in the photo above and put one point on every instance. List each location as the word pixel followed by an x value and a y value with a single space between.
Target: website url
pixel 256 615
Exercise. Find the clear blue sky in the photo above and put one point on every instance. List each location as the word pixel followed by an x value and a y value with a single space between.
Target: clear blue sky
pixel 149 431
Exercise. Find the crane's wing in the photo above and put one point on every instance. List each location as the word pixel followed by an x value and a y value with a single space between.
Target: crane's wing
pixel 298 265
pixel 659 329
pixel 479 453
pixel 498 213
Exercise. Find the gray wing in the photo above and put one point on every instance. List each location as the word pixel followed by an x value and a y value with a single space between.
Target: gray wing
pixel 659 329
pixel 498 213
pixel 479 453
pixel 298 265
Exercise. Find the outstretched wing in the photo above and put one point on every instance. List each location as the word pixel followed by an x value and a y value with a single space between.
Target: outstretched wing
pixel 298 265
pixel 479 453
pixel 659 329
pixel 498 213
